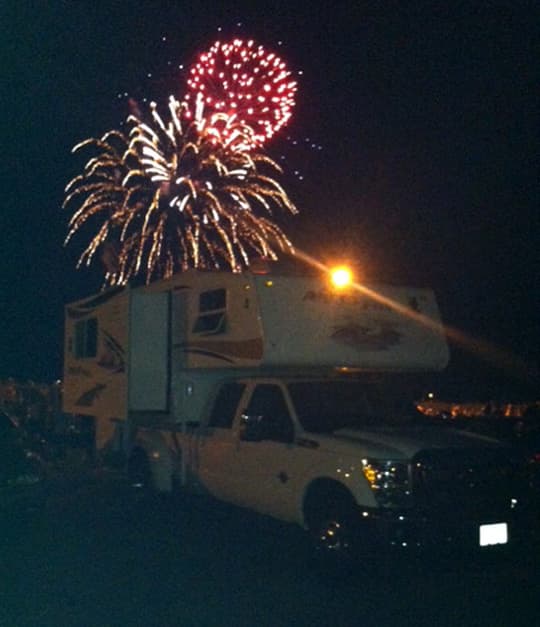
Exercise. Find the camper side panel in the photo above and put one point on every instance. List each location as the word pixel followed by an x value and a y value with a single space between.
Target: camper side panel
pixel 383 328
pixel 95 356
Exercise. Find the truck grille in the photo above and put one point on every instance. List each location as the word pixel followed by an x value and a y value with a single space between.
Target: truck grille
pixel 476 484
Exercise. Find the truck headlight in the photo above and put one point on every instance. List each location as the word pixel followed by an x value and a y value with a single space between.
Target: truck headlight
pixel 389 480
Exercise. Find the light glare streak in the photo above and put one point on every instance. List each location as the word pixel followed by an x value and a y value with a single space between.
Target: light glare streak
pixel 479 347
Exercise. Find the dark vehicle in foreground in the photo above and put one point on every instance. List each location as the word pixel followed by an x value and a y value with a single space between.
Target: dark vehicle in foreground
pixel 22 469
pixel 520 433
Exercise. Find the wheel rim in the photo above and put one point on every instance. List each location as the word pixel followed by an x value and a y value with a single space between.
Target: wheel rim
pixel 333 538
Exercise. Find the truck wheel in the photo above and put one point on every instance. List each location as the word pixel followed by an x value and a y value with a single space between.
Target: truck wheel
pixel 332 523
pixel 138 471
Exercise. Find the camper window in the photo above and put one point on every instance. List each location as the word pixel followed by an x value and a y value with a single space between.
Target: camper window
pixel 212 300
pixel 211 324
pixel 86 338
pixel 212 308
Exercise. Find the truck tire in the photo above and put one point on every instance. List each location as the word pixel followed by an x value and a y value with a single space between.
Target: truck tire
pixel 332 521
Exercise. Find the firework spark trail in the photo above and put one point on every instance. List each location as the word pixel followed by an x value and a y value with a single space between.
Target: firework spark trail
pixel 244 80
pixel 189 192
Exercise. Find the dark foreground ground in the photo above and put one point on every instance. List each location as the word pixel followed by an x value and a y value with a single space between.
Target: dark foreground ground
pixel 96 557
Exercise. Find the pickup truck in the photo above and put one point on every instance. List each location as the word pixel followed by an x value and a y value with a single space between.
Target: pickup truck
pixel 346 457
pixel 281 394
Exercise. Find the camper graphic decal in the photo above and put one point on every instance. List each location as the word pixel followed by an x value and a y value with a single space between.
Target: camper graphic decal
pixel 112 357
pixel 331 297
pixel 206 353
pixel 87 398
pixel 226 351
pixel 78 371
pixel 378 337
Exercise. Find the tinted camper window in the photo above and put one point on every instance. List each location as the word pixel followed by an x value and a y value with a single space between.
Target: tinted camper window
pixel 212 300
pixel 212 310
pixel 86 338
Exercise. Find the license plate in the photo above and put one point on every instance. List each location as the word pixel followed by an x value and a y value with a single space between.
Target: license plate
pixel 495 533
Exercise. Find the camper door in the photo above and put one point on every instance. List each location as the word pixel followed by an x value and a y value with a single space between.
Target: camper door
pixel 149 358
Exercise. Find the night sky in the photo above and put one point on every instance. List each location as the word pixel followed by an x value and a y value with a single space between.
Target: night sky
pixel 427 118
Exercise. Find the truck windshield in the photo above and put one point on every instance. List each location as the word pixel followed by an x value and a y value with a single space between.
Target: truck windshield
pixel 326 406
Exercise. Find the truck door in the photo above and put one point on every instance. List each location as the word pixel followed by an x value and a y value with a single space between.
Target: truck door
pixel 216 448
pixel 267 468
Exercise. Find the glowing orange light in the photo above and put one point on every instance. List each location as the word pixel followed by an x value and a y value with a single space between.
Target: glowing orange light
pixel 370 474
pixel 341 277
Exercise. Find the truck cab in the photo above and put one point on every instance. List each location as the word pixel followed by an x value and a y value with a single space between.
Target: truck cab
pixel 349 458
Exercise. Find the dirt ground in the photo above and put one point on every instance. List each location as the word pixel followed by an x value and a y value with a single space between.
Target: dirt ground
pixel 96 556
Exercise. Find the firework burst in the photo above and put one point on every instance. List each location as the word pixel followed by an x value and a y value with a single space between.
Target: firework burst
pixel 244 80
pixel 183 192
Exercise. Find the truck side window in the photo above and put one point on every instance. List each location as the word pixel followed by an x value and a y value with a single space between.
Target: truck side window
pixel 225 405
pixel 268 402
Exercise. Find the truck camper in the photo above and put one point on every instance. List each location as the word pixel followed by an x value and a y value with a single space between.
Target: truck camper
pixel 134 354
pixel 282 394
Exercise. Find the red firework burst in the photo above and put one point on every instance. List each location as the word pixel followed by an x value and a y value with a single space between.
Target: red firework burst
pixel 243 79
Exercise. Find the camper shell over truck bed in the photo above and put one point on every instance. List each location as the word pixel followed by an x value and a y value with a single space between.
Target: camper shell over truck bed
pixel 137 349
pixel 275 393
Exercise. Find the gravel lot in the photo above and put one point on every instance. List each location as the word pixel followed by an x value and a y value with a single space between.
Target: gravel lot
pixel 97 556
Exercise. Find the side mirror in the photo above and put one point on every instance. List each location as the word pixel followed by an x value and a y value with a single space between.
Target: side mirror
pixel 252 428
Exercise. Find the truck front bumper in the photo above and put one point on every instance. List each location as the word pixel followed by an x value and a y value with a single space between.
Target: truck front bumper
pixel 451 533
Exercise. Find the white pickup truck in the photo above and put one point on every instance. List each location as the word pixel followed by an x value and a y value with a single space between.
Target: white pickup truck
pixel 277 394
pixel 345 457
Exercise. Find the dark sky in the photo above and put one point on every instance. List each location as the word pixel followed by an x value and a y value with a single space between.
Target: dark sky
pixel 428 174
